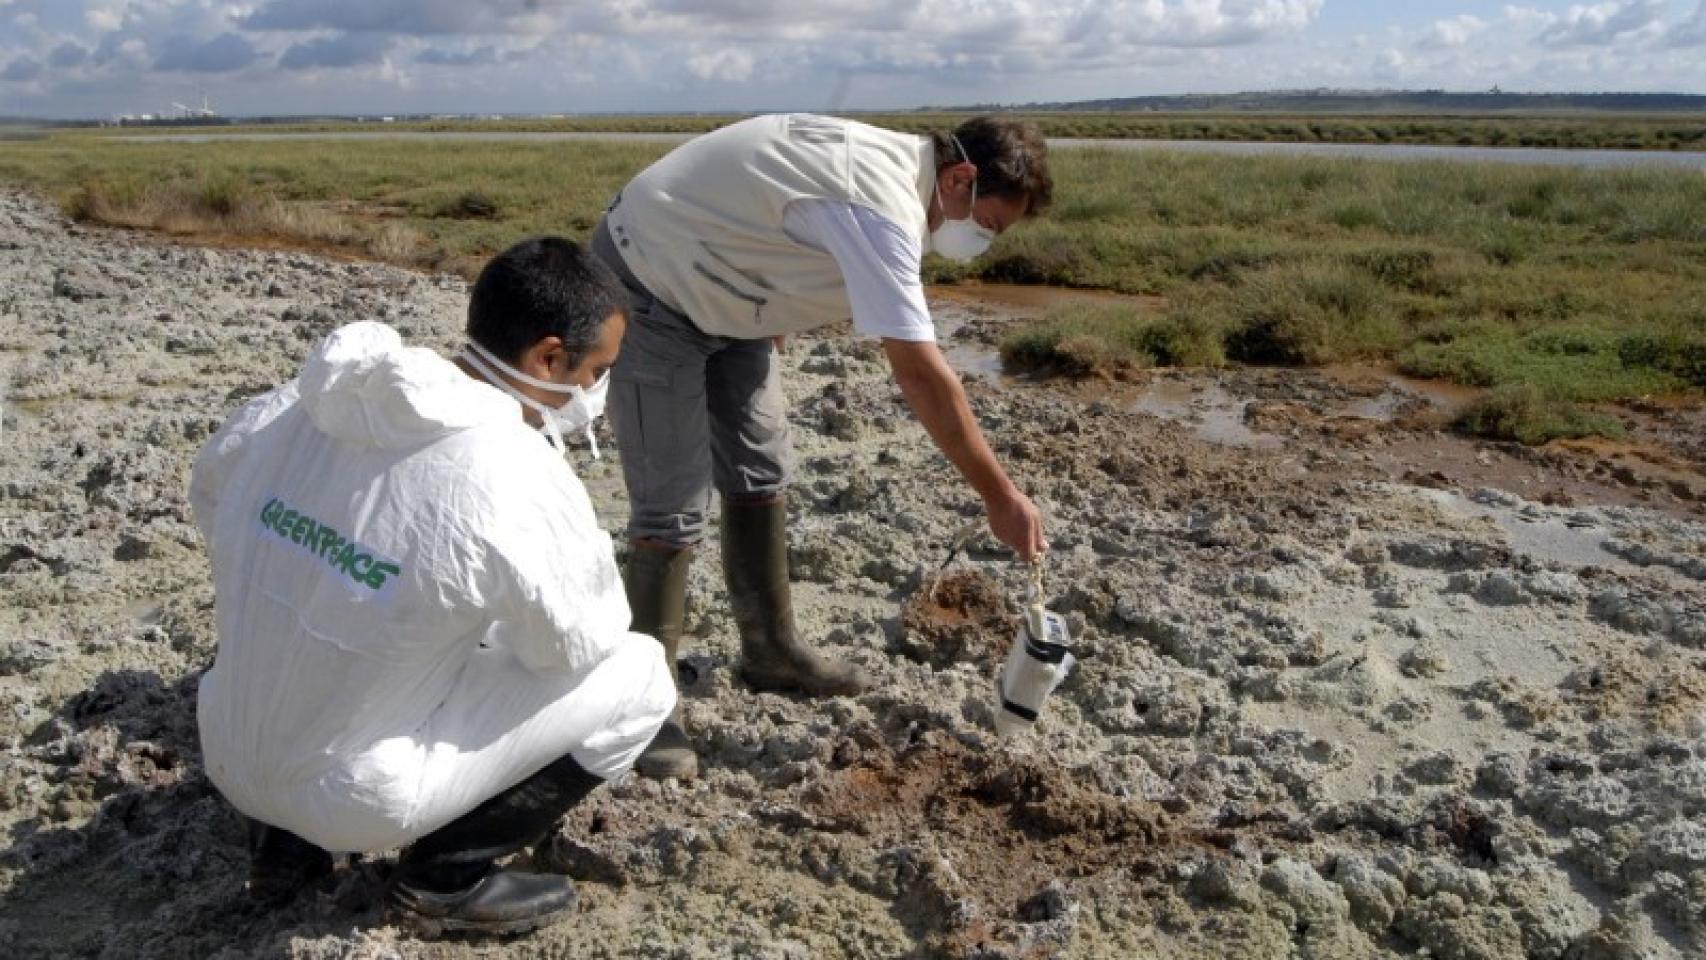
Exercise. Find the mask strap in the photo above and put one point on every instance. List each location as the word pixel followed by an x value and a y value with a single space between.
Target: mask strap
pixel 517 374
pixel 936 195
pixel 962 148
pixel 552 434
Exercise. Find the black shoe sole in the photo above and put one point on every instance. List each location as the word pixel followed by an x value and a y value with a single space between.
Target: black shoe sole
pixel 649 767
pixel 429 928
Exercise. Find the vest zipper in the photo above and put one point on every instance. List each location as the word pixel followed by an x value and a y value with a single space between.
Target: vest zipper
pixel 758 303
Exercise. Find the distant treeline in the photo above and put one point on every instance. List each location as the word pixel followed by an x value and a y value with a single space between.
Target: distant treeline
pixel 1390 102
pixel 1608 121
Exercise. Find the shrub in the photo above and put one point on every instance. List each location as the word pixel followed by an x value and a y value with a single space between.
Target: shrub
pixel 1679 354
pixel 1525 414
pixel 1506 247
pixel 100 201
pixel 222 197
pixel 1228 264
pixel 1408 268
pixel 1571 362
pixel 395 243
pixel 1354 216
pixel 470 205
pixel 1309 313
pixel 1110 340
pixel 1033 258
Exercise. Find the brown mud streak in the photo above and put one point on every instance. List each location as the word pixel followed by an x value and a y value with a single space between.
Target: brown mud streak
pixel 959 616
pixel 1011 826
pixel 1667 696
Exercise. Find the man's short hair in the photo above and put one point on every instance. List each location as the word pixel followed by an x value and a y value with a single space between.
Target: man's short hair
pixel 543 287
pixel 1011 158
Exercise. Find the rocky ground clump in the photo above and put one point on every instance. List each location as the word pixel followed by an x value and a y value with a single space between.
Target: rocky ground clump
pixel 1319 712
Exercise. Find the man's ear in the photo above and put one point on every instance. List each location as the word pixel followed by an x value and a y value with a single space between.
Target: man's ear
pixel 962 174
pixel 545 357
pixel 556 355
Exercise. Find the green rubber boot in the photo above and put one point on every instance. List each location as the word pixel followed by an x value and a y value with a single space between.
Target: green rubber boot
pixel 656 581
pixel 755 566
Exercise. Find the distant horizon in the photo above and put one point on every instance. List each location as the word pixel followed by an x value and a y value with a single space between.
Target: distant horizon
pixel 1324 92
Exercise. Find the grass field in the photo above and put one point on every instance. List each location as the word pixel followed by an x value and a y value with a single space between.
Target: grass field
pixel 1554 287
pixel 1604 131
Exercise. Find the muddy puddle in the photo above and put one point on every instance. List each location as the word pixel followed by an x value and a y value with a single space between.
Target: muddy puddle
pixel 1232 408
pixel 1214 414
pixel 1373 414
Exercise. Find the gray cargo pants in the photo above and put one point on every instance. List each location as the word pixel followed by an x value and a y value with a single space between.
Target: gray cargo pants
pixel 690 410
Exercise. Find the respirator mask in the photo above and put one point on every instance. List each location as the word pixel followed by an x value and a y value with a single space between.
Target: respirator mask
pixel 585 404
pixel 964 239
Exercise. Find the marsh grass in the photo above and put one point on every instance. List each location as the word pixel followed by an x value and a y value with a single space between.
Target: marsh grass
pixel 444 206
pixel 1525 413
pixel 1580 286
pixel 1112 340
pixel 1584 285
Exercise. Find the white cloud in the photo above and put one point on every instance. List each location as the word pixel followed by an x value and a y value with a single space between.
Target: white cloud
pixel 1454 32
pixel 418 17
pixel 1690 32
pixel 1604 24
pixel 400 56
pixel 104 19
pixel 726 66
pixel 1389 65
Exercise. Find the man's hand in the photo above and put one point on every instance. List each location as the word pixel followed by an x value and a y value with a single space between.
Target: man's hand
pixel 1017 522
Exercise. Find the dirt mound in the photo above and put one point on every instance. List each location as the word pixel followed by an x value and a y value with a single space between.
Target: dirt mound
pixel 958 616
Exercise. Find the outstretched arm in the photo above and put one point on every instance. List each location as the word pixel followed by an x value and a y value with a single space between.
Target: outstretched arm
pixel 934 393
pixel 879 262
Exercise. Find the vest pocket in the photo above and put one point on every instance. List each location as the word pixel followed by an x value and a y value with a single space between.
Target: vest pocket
pixel 758 302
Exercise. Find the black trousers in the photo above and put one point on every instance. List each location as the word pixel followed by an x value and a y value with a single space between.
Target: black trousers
pixel 463 850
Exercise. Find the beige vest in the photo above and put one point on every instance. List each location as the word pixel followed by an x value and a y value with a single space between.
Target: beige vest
pixel 702 227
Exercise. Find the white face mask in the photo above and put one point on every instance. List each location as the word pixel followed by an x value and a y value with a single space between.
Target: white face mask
pixel 965 239
pixel 575 416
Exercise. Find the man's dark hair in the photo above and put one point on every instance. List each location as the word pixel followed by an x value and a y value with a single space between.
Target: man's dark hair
pixel 1011 158
pixel 544 287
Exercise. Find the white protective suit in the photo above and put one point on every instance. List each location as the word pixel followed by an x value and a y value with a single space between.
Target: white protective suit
pixel 417 608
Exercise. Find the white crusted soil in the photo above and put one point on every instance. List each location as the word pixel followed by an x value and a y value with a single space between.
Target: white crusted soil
pixel 1318 713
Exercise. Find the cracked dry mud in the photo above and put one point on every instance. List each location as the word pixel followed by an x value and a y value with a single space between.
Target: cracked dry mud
pixel 1319 712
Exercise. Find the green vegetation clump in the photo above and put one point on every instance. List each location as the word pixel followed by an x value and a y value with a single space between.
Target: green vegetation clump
pixel 1571 362
pixel 1111 340
pixel 1524 413
pixel 475 204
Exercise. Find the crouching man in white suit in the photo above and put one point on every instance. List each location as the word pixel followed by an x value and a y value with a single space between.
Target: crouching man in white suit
pixel 423 639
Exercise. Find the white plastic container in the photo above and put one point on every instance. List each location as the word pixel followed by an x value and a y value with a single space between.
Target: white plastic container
pixel 1037 662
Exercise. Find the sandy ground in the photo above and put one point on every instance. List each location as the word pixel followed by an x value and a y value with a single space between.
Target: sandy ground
pixel 1348 688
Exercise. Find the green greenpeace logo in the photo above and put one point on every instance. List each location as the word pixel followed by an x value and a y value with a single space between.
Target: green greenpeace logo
pixel 349 558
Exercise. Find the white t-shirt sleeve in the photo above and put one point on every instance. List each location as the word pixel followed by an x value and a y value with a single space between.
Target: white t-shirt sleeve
pixel 878 260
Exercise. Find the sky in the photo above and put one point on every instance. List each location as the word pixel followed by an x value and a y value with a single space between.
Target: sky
pixel 99 58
